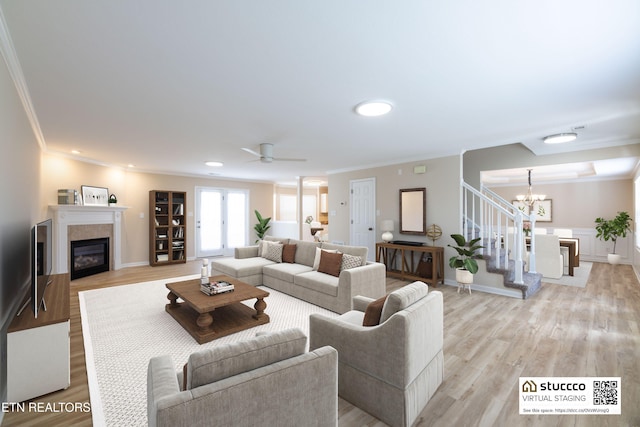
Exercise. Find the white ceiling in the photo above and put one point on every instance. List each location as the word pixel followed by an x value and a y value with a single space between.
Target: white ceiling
pixel 168 85
pixel 566 172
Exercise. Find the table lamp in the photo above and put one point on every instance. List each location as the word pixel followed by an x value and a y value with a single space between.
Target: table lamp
pixel 387 227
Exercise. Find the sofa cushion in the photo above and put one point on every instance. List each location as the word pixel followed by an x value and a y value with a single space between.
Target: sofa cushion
pixel 289 253
pixel 360 251
pixel 316 260
pixel 350 261
pixel 217 363
pixel 319 282
pixel 305 251
pixel 330 263
pixel 403 298
pixel 284 271
pixel 373 312
pixel 240 267
pixel 274 252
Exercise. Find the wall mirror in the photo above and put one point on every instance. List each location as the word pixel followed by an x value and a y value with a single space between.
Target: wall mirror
pixel 413 211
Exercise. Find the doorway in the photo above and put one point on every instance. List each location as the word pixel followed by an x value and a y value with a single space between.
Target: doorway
pixel 221 221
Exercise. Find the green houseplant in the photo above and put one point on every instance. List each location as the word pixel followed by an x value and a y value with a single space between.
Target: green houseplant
pixel 611 229
pixel 465 262
pixel 262 226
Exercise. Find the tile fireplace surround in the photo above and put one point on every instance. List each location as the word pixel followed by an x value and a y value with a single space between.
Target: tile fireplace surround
pixel 71 222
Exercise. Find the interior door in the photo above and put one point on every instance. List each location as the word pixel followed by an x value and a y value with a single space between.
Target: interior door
pixel 363 214
pixel 221 221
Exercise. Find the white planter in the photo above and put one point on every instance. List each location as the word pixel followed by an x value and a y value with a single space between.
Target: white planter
pixel 464 276
pixel 613 258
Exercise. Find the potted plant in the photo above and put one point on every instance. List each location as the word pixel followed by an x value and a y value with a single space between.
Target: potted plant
pixel 465 262
pixel 262 226
pixel 611 229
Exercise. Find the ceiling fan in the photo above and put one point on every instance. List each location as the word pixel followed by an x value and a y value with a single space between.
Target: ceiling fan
pixel 266 154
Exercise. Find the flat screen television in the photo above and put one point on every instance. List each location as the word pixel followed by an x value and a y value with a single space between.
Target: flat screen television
pixel 42 261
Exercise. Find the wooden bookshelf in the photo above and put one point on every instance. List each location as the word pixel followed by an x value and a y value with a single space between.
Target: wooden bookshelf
pixel 167 227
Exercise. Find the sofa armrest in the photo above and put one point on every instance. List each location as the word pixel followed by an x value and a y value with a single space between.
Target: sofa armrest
pixel 360 303
pixel 368 281
pixel 246 252
pixel 161 383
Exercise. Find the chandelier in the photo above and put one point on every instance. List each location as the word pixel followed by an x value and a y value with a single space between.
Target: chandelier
pixel 529 199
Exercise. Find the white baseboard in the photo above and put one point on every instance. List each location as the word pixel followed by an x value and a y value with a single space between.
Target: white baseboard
pixel 512 293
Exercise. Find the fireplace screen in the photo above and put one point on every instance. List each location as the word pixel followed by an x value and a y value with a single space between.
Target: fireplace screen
pixel 89 257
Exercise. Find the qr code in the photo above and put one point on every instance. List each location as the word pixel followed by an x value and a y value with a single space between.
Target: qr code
pixel 605 392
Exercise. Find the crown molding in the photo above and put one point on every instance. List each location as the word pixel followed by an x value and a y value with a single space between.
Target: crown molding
pixel 15 71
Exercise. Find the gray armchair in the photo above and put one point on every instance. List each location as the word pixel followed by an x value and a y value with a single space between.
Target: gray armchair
pixel 268 380
pixel 390 370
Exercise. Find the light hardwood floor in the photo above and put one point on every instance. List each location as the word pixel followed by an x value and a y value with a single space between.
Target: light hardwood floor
pixel 490 341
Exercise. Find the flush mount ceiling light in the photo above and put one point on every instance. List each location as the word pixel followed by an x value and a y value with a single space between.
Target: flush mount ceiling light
pixel 214 164
pixel 560 138
pixel 373 108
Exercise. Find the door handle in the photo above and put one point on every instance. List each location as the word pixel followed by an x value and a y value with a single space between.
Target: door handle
pixel 370 228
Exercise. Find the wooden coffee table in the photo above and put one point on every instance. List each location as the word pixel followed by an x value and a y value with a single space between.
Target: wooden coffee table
pixel 209 317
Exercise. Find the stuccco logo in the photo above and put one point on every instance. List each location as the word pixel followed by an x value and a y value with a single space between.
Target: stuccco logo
pixel 529 386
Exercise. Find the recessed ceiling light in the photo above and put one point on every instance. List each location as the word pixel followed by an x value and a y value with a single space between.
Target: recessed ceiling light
pixel 214 164
pixel 131 165
pixel 560 138
pixel 373 108
pixel 76 152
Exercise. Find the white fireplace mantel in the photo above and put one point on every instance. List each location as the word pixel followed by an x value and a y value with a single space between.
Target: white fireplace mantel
pixel 66 215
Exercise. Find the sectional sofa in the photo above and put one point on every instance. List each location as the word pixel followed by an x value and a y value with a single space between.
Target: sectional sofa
pixel 324 274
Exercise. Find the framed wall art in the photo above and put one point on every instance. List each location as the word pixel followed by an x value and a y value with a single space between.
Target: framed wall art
pixel 521 206
pixel 542 209
pixel 95 196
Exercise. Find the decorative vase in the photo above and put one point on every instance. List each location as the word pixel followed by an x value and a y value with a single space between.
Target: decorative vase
pixel 613 258
pixel 387 236
pixel 464 276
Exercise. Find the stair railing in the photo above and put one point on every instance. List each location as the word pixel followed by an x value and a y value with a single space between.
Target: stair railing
pixel 500 225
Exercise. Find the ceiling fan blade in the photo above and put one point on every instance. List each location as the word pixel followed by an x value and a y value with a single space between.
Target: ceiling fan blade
pixel 281 159
pixel 249 150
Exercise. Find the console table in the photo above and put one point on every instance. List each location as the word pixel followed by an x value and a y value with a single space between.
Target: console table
pixel 38 358
pixel 408 262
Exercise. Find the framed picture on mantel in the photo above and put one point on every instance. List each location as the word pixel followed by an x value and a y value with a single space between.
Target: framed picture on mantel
pixel 95 196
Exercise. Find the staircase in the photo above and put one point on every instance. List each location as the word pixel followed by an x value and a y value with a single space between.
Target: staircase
pixel 501 227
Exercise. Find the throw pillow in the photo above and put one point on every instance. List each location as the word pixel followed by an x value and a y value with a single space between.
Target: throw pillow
pixel 274 252
pixel 373 312
pixel 264 246
pixel 289 253
pixel 350 261
pixel 330 263
pixel 316 260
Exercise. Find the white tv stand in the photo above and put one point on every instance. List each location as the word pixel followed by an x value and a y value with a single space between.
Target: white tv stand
pixel 38 359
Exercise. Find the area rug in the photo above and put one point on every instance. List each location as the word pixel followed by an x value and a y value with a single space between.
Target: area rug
pixel 579 278
pixel 125 326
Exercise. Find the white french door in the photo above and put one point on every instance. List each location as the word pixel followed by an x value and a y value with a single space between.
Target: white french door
pixel 221 221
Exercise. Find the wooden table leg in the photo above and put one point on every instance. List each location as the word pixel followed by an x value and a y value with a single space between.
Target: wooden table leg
pixel 173 298
pixel 204 320
pixel 260 306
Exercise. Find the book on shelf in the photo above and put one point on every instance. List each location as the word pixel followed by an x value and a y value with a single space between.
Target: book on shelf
pixel 162 257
